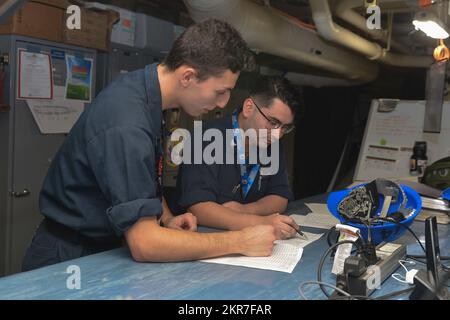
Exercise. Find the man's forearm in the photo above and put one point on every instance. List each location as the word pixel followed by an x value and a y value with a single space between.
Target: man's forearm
pixel 214 215
pixel 267 205
pixel 150 242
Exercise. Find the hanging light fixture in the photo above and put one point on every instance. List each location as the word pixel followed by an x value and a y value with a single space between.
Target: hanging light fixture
pixel 430 24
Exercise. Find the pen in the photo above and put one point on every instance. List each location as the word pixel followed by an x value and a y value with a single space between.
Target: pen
pixel 302 234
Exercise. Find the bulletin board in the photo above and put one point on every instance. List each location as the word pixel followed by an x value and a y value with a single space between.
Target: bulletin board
pixel 390 136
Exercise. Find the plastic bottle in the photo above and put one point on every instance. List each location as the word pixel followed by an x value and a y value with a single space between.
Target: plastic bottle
pixel 419 159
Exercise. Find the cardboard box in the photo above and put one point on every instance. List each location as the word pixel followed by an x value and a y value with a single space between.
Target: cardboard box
pixel 46 19
pixel 123 32
pixel 95 29
pixel 39 19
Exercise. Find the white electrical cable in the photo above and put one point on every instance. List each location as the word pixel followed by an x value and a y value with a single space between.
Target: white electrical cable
pixel 409 275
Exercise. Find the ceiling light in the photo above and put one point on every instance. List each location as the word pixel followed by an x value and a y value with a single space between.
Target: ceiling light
pixel 430 24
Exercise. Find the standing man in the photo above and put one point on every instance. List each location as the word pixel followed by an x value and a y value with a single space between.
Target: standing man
pixel 104 185
pixel 233 196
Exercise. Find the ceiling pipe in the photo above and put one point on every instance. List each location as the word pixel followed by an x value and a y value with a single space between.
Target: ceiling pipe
pixel 329 30
pixel 310 80
pixel 265 31
pixel 344 10
pixel 305 79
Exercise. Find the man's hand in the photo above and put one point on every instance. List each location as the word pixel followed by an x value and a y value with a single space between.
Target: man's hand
pixel 236 206
pixel 257 241
pixel 185 221
pixel 285 226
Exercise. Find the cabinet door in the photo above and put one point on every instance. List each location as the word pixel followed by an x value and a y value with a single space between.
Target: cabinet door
pixel 32 155
pixel 123 60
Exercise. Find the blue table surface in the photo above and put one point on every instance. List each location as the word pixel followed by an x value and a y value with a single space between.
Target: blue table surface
pixel 114 275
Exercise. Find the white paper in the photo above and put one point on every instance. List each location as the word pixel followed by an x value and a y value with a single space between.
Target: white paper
pixel 300 242
pixel 35 77
pixel 321 208
pixel 57 115
pixel 320 217
pixel 285 256
pixel 315 220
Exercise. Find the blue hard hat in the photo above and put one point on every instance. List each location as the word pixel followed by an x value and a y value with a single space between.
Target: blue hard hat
pixel 381 231
pixel 446 194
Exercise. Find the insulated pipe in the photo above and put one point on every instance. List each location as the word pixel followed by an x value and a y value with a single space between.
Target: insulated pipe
pixel 265 31
pixel 373 51
pixel 344 10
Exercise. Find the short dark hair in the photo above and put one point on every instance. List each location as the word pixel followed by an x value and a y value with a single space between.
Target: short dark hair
pixel 211 47
pixel 267 88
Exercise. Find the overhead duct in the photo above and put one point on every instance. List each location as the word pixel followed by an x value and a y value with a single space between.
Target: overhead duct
pixel 305 79
pixel 344 9
pixel 309 80
pixel 268 32
pixel 329 30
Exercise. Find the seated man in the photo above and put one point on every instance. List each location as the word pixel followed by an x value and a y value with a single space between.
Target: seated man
pixel 232 195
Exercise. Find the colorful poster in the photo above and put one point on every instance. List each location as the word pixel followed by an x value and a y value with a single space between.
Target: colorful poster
pixel 79 78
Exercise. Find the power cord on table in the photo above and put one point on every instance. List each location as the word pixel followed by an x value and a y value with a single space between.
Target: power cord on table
pixel 400 225
pixel 408 277
pixel 322 261
pixel 347 296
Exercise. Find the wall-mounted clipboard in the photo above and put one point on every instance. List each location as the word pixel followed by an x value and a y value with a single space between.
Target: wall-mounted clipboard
pixel 391 130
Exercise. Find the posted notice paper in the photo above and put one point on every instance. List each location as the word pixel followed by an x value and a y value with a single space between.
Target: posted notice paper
pixel 35 76
pixel 57 115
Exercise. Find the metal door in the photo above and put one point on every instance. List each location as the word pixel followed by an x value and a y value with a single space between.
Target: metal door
pixel 32 154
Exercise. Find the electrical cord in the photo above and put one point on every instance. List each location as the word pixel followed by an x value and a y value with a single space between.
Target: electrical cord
pixel 322 261
pixel 401 225
pixel 415 259
pixel 409 274
pixel 335 245
pixel 414 256
pixel 348 296
pixel 418 259
pixel 356 297
pixel 446 268
pixel 320 283
pixel 329 232
pixel 387 219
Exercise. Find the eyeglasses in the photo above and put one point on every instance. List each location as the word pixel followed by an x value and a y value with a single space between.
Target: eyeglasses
pixel 275 123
